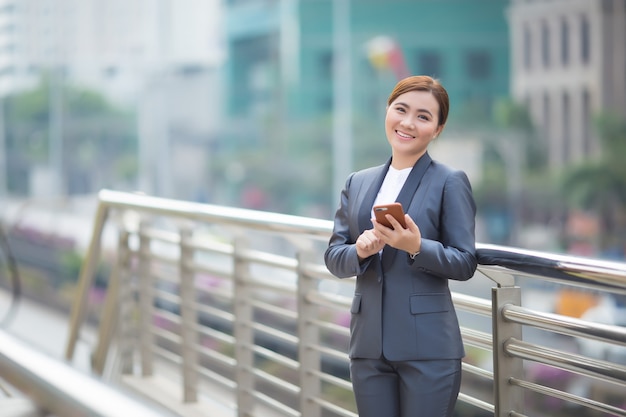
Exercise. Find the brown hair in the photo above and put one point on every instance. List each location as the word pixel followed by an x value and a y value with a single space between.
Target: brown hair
pixel 423 83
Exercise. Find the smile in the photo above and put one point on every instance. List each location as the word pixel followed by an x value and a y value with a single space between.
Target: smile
pixel 404 135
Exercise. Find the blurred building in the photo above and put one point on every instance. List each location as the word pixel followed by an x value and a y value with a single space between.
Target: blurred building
pixel 158 58
pixel 111 45
pixel 282 53
pixel 312 77
pixel 568 65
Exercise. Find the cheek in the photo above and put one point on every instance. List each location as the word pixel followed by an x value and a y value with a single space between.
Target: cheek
pixel 390 121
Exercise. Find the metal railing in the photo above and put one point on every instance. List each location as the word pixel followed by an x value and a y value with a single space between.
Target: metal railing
pixel 237 306
pixel 57 389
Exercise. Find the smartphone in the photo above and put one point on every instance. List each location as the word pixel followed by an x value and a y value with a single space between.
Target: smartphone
pixel 395 209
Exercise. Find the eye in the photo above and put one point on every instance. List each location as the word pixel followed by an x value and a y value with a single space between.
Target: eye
pixel 400 109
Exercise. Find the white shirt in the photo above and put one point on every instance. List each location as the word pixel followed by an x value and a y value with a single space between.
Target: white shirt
pixel 392 184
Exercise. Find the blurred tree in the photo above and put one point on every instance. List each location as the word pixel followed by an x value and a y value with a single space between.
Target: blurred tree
pixel 99 140
pixel 513 159
pixel 511 116
pixel 599 185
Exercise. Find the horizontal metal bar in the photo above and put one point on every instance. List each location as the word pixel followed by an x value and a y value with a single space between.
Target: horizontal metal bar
pixel 476 402
pixel 566 268
pixel 276 382
pixel 342 412
pixel 583 365
pixel 207 212
pixel 475 370
pixel 477 338
pixel 328 300
pixel 278 358
pixel 565 325
pixel 555 393
pixel 472 304
pixel 274 404
pixel 332 379
pixel 75 393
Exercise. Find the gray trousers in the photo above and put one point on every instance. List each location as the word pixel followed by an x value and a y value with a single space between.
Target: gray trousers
pixel 385 388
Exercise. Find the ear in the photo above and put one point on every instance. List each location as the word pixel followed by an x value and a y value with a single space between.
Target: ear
pixel 439 130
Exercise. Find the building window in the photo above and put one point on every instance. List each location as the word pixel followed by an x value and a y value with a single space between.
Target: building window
pixel 586 110
pixel 325 65
pixel 546 115
pixel 564 43
pixel 478 65
pixel 527 48
pixel 585 40
pixel 566 127
pixel 545 45
pixel 251 60
pixel 429 63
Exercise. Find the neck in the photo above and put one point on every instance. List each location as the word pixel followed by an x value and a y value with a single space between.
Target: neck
pixel 405 161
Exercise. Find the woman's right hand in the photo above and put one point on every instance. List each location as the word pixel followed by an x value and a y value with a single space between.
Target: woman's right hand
pixel 368 244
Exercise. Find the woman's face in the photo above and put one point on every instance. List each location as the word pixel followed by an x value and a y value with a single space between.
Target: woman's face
pixel 411 123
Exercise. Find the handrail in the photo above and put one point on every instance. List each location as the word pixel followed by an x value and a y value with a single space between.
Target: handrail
pixel 62 390
pixel 208 212
pixel 570 269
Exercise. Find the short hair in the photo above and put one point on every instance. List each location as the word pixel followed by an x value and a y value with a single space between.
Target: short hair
pixel 424 83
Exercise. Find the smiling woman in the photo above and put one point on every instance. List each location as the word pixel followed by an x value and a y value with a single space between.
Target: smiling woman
pixel 405 342
pixel 412 122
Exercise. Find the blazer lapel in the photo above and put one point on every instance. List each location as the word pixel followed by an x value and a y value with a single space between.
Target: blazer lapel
pixel 365 210
pixel 406 196
pixel 413 181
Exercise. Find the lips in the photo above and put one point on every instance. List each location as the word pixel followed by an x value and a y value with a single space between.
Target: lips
pixel 404 135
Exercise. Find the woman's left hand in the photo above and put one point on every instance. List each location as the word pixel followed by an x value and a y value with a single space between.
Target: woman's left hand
pixel 408 239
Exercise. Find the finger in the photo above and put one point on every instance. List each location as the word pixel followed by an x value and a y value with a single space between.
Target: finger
pixel 410 224
pixel 381 231
pixel 394 223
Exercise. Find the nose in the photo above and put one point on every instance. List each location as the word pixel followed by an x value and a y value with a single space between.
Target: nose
pixel 407 121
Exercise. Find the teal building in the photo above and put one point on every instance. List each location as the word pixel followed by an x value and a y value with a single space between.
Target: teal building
pixel 283 50
pixel 294 64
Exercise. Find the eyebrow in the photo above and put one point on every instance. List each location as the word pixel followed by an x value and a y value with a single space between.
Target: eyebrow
pixel 419 110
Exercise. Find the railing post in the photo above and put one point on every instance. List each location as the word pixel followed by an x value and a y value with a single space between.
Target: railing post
pixel 85 280
pixel 129 327
pixel 507 398
pixel 308 333
pixel 189 319
pixel 146 304
pixel 110 309
pixel 243 331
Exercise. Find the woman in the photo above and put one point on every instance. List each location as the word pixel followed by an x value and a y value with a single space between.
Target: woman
pixel 405 346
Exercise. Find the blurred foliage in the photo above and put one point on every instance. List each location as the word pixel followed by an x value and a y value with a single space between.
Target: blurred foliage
pixel 545 196
pixel 599 186
pixel 512 116
pixel 95 134
pixel 513 131
pixel 70 266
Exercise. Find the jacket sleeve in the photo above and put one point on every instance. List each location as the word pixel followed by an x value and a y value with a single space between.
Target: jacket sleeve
pixel 340 257
pixel 453 256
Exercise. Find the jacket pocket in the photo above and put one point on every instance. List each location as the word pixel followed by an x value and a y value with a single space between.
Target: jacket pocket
pixel 356 304
pixel 429 303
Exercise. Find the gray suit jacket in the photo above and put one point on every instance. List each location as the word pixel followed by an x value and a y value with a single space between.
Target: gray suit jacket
pixel 402 308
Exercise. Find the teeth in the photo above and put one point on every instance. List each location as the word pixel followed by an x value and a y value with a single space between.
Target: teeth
pixel 403 135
